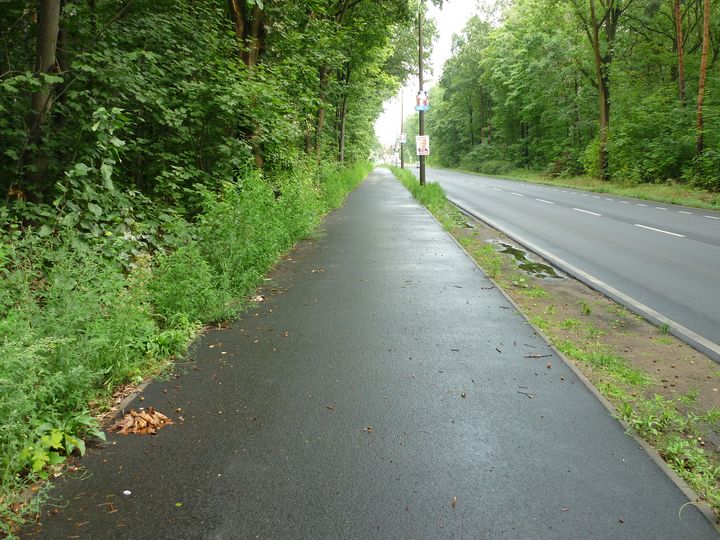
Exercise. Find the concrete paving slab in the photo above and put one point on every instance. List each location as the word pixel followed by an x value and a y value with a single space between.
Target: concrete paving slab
pixel 384 389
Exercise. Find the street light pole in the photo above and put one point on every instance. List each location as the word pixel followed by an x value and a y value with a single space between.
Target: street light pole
pixel 402 144
pixel 421 126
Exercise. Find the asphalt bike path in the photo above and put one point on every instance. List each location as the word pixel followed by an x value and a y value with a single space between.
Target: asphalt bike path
pixel 384 388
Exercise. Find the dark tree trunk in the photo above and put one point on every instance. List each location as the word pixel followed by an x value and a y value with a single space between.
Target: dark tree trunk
pixel 680 53
pixel 703 75
pixel 41 101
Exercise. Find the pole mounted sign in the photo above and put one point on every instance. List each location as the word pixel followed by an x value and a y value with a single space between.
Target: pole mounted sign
pixel 422 144
pixel 403 138
pixel 422 101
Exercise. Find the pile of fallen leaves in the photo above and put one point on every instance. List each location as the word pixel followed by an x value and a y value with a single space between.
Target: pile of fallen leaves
pixel 142 422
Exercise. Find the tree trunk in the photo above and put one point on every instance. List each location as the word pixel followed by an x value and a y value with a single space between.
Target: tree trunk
pixel 250 34
pixel 343 123
pixel 41 101
pixel 703 74
pixel 324 75
pixel 481 120
pixel 254 39
pixel 680 53
pixel 343 116
pixel 603 97
pixel 472 124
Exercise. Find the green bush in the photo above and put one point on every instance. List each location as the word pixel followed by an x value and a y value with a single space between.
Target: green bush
pixel 185 287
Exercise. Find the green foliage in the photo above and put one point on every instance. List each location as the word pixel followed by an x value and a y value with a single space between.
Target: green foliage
pixel 184 286
pixel 522 90
pixel 678 441
pixel 170 174
pixel 601 359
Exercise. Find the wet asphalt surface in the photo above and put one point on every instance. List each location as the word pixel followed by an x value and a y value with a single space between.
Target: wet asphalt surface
pixel 383 389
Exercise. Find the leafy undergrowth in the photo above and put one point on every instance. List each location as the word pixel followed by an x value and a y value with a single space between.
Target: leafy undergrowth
pixel 684 428
pixel 76 324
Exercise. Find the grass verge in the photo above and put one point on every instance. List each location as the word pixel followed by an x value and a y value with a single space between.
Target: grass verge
pixel 665 391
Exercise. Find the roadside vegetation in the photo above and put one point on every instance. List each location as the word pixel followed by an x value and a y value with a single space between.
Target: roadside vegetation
pixel 663 390
pixel 623 92
pixel 156 158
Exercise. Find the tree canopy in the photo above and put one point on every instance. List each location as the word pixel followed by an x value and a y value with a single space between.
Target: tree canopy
pixel 626 89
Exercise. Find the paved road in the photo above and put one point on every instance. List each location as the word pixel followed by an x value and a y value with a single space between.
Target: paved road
pixel 384 389
pixel 662 258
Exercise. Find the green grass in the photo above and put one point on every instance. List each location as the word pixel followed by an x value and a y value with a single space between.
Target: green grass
pixel 599 357
pixel 432 196
pixel 678 439
pixel 570 324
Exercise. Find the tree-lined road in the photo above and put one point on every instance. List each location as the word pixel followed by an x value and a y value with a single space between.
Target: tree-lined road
pixel 659 259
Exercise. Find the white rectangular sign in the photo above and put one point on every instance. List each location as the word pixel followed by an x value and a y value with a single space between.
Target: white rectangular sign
pixel 422 144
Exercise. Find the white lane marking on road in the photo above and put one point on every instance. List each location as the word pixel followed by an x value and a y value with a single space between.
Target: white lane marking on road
pixel 596 197
pixel 518 194
pixel 625 202
pixel 660 208
pixel 585 195
pixel 608 199
pixel 497 189
pixel 684 212
pixel 712 217
pixel 642 204
pixel 544 201
pixel 660 230
pixel 587 212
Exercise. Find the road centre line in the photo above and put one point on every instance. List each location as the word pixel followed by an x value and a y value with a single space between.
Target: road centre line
pixel 497 189
pixel 641 204
pixel 660 208
pixel 587 212
pixel 608 199
pixel 544 201
pixel 660 230
pixel 712 217
pixel 684 212
pixel 518 194
pixel 625 202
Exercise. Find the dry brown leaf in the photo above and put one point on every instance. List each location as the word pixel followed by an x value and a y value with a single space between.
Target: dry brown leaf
pixel 143 422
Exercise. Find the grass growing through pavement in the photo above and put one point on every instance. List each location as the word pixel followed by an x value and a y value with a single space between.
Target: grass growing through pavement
pixel 431 196
pixel 678 427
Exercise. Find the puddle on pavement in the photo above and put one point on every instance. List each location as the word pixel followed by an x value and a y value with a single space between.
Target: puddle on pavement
pixel 531 267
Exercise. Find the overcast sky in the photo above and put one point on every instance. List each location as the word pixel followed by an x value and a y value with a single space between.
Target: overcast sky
pixel 451 20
